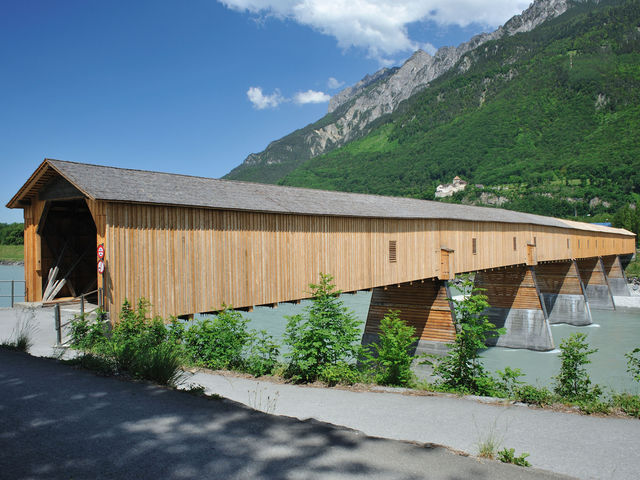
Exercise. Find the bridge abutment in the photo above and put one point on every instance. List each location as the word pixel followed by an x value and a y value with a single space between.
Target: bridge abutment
pixel 516 304
pixel 423 305
pixel 563 293
pixel 596 284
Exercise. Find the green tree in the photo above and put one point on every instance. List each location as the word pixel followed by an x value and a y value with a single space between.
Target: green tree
pixel 391 355
pixel 461 368
pixel 325 335
pixel 573 381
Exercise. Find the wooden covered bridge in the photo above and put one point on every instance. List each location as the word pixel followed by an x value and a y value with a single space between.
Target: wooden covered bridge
pixel 191 245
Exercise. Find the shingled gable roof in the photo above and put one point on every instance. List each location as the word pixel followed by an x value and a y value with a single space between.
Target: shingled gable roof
pixel 138 186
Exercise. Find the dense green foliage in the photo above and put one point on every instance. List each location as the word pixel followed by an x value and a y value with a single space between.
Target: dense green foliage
pixel 548 120
pixel 11 233
pixel 325 336
pixel 461 369
pixel 573 381
pixel 391 356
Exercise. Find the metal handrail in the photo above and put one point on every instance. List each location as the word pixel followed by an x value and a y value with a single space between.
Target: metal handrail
pixel 13 289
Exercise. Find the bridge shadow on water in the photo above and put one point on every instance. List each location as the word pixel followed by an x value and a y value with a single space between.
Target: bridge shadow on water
pixel 58 422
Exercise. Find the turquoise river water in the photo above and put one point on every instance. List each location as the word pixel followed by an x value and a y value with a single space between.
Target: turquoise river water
pixel 613 333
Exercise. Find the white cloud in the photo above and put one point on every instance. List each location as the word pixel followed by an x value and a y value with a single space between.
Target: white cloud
pixel 333 83
pixel 311 96
pixel 380 26
pixel 261 101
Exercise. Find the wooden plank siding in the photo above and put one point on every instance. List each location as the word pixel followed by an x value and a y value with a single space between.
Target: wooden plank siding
pixel 188 260
pixel 560 278
pixel 422 305
pixel 513 287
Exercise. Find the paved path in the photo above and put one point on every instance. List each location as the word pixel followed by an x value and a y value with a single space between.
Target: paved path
pixel 581 446
pixel 577 445
pixel 57 422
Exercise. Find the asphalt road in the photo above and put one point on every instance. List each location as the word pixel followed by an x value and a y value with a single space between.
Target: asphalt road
pixel 57 422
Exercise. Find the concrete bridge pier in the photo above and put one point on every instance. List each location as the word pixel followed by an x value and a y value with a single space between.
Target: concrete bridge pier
pixel 616 276
pixel 422 304
pixel 563 293
pixel 596 284
pixel 517 305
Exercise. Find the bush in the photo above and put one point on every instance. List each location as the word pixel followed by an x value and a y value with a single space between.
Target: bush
pixel 573 382
pixel 628 403
pixel 633 363
pixel 326 334
pixel 161 363
pixel 461 368
pixel 87 335
pixel 540 396
pixel 262 352
pixel 508 381
pixel 340 373
pixel 391 357
pixel 219 342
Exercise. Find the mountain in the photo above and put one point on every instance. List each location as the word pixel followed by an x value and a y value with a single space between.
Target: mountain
pixel 356 110
pixel 545 121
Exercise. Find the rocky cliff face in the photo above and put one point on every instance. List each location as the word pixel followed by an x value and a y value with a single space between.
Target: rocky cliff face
pixel 352 110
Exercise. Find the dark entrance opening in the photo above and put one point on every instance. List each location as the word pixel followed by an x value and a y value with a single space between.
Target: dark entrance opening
pixel 68 235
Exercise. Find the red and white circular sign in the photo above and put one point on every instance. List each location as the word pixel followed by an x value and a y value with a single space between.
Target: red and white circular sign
pixel 101 251
pixel 101 267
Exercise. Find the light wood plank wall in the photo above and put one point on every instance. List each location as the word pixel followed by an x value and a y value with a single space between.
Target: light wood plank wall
pixel 188 260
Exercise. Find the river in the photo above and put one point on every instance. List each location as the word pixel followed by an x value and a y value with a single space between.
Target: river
pixel 613 333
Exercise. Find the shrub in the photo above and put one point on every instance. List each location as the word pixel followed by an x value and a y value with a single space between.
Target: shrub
pixel 633 363
pixel 87 335
pixel 261 354
pixel 391 356
pixel 508 455
pixel 628 403
pixel 326 334
pixel 161 363
pixel 219 342
pixel 461 368
pixel 573 382
pixel 532 395
pixel 340 373
pixel 509 380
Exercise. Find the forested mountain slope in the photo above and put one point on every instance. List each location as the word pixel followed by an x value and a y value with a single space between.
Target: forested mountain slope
pixel 546 121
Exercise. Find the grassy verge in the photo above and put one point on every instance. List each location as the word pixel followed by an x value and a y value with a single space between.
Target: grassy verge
pixel 12 252
pixel 633 269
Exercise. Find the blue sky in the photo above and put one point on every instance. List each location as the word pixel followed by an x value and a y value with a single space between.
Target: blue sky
pixel 194 87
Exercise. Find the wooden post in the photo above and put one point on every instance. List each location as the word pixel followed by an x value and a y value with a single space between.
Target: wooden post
pixel 56 313
pixel 82 305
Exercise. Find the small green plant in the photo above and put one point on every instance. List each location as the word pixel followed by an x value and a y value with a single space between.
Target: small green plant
pixel 509 381
pixel 628 403
pixel 98 363
pixel 461 368
pixel 160 363
pixel 489 442
pixel 633 363
pixel 573 382
pixel 390 357
pixel 533 395
pixel 262 353
pixel 595 405
pixel 508 455
pixel 326 334
pixel 218 342
pixel 340 373
pixel 87 334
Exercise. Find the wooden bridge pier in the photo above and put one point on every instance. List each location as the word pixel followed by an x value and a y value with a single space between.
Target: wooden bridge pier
pixel 615 274
pixel 594 278
pixel 516 304
pixel 423 304
pixel 563 293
